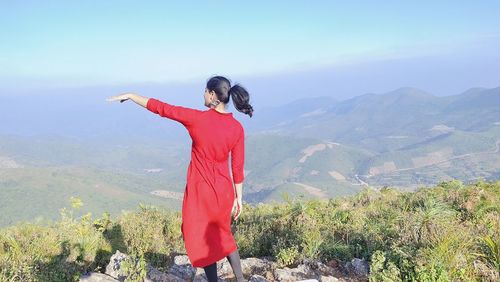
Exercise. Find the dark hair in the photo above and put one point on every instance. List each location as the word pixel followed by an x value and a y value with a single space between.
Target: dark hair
pixel 223 90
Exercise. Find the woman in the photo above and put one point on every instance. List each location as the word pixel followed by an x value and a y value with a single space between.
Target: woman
pixel 210 198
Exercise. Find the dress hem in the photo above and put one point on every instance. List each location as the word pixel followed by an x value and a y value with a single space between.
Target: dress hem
pixel 225 255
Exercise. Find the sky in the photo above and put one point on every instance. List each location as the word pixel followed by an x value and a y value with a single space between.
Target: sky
pixel 82 43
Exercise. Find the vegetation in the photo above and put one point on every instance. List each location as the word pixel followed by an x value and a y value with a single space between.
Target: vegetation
pixel 449 232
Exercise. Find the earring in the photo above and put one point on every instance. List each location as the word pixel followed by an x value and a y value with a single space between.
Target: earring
pixel 215 103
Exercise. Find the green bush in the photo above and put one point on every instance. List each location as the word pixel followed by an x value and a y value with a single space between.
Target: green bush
pixel 449 232
pixel 152 233
pixel 134 268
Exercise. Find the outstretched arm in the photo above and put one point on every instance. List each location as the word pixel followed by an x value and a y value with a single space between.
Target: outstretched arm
pixel 186 116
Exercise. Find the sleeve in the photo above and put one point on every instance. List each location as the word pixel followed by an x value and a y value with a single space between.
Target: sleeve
pixel 238 159
pixel 184 115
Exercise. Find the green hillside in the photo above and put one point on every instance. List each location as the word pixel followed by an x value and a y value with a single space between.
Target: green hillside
pixel 131 155
pixel 315 147
pixel 457 154
pixel 114 177
pixel 30 193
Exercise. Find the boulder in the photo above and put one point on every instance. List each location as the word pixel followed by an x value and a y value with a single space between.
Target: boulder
pixel 358 267
pixel 323 278
pixel 257 278
pixel 182 268
pixel 254 269
pixel 154 275
pixel 113 268
pixel 301 272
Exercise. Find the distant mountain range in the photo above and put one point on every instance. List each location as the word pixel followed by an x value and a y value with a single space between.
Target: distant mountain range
pixel 405 111
pixel 312 147
pixel 406 137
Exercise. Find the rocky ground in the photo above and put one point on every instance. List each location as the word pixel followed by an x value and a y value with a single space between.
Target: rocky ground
pixel 254 269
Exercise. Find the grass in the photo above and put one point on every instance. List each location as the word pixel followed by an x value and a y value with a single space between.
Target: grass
pixel 449 232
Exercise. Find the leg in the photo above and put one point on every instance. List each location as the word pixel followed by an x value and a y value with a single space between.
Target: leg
pixel 234 260
pixel 211 272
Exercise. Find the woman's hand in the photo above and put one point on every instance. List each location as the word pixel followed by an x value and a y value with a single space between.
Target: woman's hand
pixel 122 97
pixel 237 205
pixel 138 99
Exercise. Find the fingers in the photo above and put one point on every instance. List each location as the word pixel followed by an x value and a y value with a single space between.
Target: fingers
pixel 238 212
pixel 234 213
pixel 122 98
pixel 233 209
pixel 114 98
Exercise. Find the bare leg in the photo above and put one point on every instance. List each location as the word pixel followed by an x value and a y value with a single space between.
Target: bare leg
pixel 234 260
pixel 211 272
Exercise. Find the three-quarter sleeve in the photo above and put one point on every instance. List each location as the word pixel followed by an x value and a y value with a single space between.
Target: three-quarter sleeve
pixel 238 158
pixel 184 115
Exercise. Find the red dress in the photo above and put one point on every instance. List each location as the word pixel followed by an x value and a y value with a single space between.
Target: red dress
pixel 209 193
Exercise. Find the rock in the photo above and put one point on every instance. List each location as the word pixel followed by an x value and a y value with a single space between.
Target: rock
pixel 257 278
pixel 97 277
pixel 323 278
pixel 251 266
pixel 113 268
pixel 301 272
pixel 181 260
pixel 256 269
pixel 333 263
pixel 182 268
pixel 224 268
pixel 154 275
pixel 359 267
pixel 258 266
pixel 309 270
pixel 201 277
pixel 320 268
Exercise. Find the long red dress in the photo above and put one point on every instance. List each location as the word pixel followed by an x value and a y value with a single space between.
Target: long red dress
pixel 209 193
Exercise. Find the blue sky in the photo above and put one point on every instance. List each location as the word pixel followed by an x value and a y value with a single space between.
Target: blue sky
pixel 114 42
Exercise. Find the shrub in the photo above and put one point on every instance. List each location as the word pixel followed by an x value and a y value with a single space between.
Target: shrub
pixel 449 232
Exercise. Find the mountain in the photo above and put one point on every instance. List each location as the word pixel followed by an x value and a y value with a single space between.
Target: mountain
pixel 316 147
pixel 407 114
pixel 272 116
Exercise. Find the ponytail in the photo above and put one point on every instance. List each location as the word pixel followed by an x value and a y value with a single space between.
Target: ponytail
pixel 241 99
pixel 224 91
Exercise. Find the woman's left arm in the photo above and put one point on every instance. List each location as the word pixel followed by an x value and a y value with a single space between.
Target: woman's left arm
pixel 186 116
